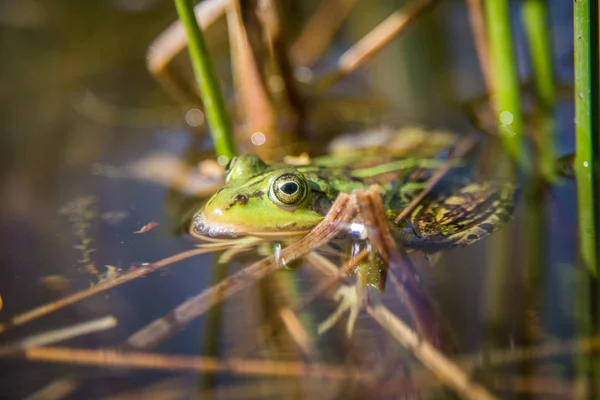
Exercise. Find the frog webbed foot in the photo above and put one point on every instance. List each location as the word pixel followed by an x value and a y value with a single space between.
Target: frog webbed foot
pixel 350 298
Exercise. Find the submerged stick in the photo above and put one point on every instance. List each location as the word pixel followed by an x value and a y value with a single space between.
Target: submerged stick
pixel 447 371
pixel 59 335
pixel 99 288
pixel 153 361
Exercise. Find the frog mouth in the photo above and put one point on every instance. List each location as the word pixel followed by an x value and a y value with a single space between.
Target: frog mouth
pixel 204 227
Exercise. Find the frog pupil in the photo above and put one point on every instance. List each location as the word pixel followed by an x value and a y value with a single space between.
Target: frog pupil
pixel 289 188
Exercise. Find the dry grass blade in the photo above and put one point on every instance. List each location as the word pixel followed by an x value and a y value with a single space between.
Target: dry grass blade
pixel 317 34
pixel 510 356
pixel 334 222
pixel 171 42
pixel 463 146
pixel 296 330
pixel 376 40
pixel 174 38
pixel 541 386
pixel 477 22
pixel 448 372
pixel 59 335
pixel 121 359
pixel 421 379
pixel 56 390
pixel 101 287
pixel 252 94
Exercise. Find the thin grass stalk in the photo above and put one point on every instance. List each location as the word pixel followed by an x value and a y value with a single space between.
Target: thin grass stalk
pixel 216 112
pixel 535 17
pixel 211 338
pixel 586 43
pixel 507 101
pixel 506 104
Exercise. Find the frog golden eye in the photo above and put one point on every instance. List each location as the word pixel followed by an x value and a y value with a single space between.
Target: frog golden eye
pixel 288 190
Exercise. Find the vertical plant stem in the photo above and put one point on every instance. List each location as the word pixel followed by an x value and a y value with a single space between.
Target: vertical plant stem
pixel 535 15
pixel 585 14
pixel 507 101
pixel 212 332
pixel 586 124
pixel 216 113
pixel 507 108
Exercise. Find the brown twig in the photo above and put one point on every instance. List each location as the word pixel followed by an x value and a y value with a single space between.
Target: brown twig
pixel 59 335
pixel 318 32
pixel 296 330
pixel 498 358
pixel 252 94
pixel 55 390
pixel 121 359
pixel 99 288
pixel 541 386
pixel 448 372
pixel 477 22
pixel 376 40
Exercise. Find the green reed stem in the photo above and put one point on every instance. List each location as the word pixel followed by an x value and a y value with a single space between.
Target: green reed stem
pixel 586 18
pixel 507 100
pixel 214 106
pixel 535 19
pixel 586 124
pixel 507 106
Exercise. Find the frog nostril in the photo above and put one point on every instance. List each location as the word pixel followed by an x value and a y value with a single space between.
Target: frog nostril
pixel 240 199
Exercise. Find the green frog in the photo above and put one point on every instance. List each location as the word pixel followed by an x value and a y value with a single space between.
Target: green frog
pixel 284 201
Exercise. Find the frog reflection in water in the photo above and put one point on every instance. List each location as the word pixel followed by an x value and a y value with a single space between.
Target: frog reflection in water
pixel 283 202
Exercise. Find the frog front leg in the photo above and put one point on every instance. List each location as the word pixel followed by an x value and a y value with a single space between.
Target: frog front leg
pixel 372 273
pixel 350 298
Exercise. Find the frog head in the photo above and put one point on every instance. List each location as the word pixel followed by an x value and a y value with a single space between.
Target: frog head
pixel 261 200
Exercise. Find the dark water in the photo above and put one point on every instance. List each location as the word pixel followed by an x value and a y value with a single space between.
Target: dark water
pixel 75 95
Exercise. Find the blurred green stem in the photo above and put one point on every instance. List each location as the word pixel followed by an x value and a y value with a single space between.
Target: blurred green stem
pixel 216 112
pixel 535 15
pixel 507 106
pixel 213 325
pixel 507 101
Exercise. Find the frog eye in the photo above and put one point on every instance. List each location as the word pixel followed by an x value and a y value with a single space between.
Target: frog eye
pixel 288 190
